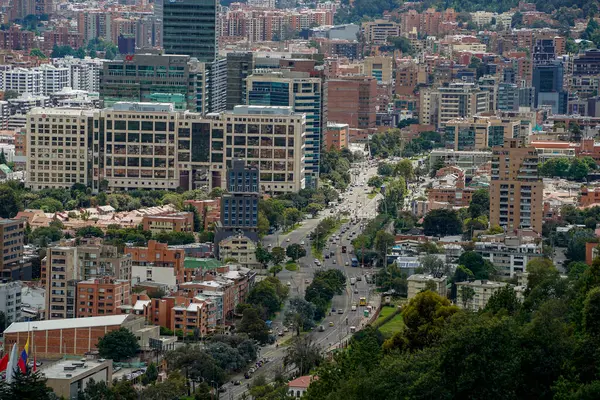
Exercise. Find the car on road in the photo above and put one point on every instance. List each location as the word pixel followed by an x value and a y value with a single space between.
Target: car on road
pixel 237 383
pixel 340 311
pixel 353 308
pixel 359 278
pixel 333 309
pixel 347 263
pixel 321 328
pixel 286 330
pixel 331 323
pixel 334 261
pixel 247 375
pixel 302 243
pixel 307 281
pixel 287 240
pixel 355 291
pixel 280 333
pixel 327 256
pixel 289 283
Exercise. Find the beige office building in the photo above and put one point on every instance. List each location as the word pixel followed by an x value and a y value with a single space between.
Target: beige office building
pixel 151 146
pixel 516 192
pixel 58 147
pixel 457 100
pixel 480 133
pixel 380 68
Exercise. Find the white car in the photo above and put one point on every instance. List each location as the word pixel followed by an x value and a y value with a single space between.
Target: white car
pixel 289 283
pixel 302 243
pixel 287 240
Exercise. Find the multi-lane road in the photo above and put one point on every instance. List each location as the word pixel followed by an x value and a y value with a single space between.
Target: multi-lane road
pixel 355 205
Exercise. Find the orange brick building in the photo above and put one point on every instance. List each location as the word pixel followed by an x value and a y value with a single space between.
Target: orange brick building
pixel 102 296
pixel 336 136
pixel 156 255
pixel 55 338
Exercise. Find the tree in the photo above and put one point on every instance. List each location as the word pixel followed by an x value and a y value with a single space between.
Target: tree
pixel 383 242
pixel 225 356
pixel 291 216
pixel 2 157
pixel 385 169
pixel 267 295
pixel 504 299
pixel 37 53
pixel 278 255
pixel 405 169
pixel 433 265
pixel 304 354
pixel 9 204
pixel 89 231
pixel 151 374
pixel 197 364
pixel 475 263
pixel 301 314
pixel 118 345
pixel 591 313
pixel 263 224
pixel 10 94
pixel 255 327
pixel 295 251
pixel 480 203
pixel 466 295
pixel 96 391
pixel 263 256
pixel 275 269
pixel 442 222
pixel 173 388
pixel 314 209
pixel 28 386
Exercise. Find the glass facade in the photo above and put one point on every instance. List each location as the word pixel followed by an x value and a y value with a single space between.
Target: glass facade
pixel 189 27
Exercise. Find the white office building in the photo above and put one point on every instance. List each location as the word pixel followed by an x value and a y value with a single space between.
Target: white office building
pixel 22 80
pixel 54 79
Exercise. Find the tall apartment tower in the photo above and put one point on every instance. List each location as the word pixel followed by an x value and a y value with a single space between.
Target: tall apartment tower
pixel 190 28
pixel 516 192
pixel 239 207
pixel 239 67
pixel 352 100
pixel 12 266
pixel 304 94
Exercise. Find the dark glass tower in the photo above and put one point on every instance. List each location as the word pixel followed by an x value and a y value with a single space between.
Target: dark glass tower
pixel 190 28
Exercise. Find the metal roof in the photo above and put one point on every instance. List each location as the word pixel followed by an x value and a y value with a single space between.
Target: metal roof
pixel 89 322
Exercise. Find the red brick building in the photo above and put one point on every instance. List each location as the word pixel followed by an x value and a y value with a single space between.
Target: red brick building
pixel 209 210
pixel 56 338
pixel 102 296
pixel 352 100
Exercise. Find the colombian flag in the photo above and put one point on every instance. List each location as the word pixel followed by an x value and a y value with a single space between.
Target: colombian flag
pixel 23 358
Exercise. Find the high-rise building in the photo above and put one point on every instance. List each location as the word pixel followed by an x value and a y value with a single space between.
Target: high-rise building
pixel 54 78
pixel 239 206
pixel 479 133
pixel 548 84
pixel 543 51
pixel 216 86
pixel 151 78
pixel 304 95
pixel 102 296
pixel 190 28
pixel 352 100
pixel 12 265
pixel 239 67
pixel 516 192
pixel 84 73
pixel 22 80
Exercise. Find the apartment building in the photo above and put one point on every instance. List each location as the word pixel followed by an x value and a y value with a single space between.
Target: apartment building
pixel 479 133
pixel 457 100
pixel 84 73
pixel 419 282
pixel 475 295
pixel 516 192
pixel 66 264
pixel 509 254
pixel 173 222
pixel 53 78
pixel 157 263
pixel 240 248
pixel 22 80
pixel 239 66
pixel 59 275
pixel 58 147
pixel 10 301
pixel 301 92
pixel 12 265
pixel 209 210
pixel 102 296
pixel 194 317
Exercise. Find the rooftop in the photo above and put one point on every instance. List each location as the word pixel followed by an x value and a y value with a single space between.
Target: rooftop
pixel 301 382
pixel 74 368
pixel 89 322
pixel 203 263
